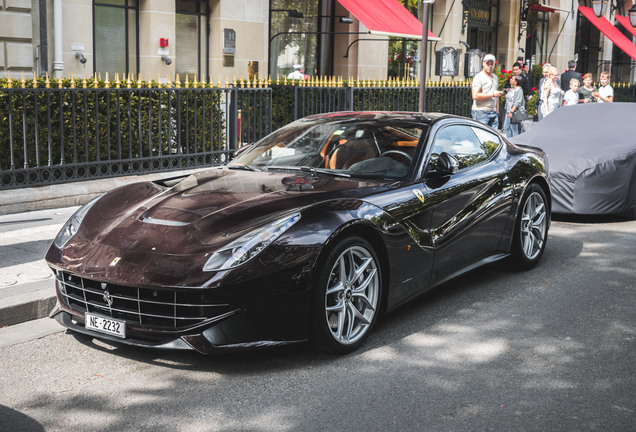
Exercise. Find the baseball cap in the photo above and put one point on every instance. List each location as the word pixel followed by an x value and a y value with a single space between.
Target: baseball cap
pixel 489 57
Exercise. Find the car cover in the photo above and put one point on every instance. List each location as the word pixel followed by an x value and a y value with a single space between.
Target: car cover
pixel 592 157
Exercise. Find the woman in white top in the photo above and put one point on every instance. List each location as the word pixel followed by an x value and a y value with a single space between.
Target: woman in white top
pixel 551 92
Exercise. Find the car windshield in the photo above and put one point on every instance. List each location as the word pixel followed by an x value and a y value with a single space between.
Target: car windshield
pixel 351 148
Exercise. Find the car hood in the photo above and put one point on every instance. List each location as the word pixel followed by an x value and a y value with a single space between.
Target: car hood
pixel 208 209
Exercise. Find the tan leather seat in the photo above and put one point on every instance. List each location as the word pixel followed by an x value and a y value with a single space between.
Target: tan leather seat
pixel 345 155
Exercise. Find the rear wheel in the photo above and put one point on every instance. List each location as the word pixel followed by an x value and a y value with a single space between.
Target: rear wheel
pixel 346 297
pixel 531 229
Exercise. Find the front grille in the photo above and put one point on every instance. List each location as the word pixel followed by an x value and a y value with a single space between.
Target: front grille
pixel 159 309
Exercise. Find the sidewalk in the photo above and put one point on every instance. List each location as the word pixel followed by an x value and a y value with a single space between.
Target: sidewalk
pixel 30 218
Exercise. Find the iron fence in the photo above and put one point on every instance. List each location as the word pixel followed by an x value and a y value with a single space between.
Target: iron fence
pixel 57 135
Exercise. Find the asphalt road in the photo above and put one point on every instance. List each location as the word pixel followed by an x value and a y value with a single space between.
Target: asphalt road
pixel 551 349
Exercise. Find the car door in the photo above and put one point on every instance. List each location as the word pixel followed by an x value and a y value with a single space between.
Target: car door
pixel 469 209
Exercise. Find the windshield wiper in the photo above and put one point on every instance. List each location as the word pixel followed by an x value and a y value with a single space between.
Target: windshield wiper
pixel 243 167
pixel 309 169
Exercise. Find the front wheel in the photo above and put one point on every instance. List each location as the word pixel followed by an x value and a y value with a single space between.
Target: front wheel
pixel 346 297
pixel 531 229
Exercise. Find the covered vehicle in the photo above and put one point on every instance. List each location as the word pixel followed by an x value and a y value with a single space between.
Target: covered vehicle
pixel 310 234
pixel 592 150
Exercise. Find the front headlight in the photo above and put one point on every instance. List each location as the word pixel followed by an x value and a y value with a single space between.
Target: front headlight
pixel 72 225
pixel 249 245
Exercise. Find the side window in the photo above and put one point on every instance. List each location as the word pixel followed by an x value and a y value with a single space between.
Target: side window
pixel 489 141
pixel 460 142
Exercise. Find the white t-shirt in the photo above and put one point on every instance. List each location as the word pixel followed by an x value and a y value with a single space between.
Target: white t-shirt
pixel 571 97
pixel 605 91
pixel 488 85
pixel 295 75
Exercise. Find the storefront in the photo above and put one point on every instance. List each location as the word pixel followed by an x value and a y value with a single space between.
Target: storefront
pixel 480 24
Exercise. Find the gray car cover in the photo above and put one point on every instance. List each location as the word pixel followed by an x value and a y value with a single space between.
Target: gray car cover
pixel 592 157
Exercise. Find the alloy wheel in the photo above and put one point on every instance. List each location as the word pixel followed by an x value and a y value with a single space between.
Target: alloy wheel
pixel 352 295
pixel 533 225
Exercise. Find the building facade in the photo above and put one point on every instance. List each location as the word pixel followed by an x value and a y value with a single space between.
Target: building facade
pixel 223 39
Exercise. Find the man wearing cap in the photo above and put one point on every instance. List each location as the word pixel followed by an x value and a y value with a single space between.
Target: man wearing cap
pixel 485 94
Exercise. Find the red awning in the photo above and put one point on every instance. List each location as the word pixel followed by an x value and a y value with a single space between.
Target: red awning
pixel 536 7
pixel 606 27
pixel 625 23
pixel 386 17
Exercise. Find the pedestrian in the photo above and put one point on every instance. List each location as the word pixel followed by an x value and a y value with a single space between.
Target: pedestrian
pixel 572 96
pixel 569 74
pixel 552 93
pixel 587 89
pixel 485 94
pixel 296 74
pixel 517 70
pixel 546 72
pixel 605 93
pixel 525 72
pixel 302 71
pixel 515 103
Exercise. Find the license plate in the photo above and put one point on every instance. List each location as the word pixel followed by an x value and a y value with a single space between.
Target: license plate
pixel 105 325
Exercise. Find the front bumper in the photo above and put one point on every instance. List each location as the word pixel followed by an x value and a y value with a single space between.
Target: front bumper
pixel 215 339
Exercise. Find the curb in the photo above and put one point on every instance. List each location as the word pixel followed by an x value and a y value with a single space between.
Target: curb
pixel 27 302
pixel 35 300
pixel 71 194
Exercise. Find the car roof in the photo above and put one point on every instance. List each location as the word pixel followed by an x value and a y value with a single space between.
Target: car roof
pixel 381 116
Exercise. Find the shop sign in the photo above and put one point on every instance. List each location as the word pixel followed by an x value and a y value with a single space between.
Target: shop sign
pixel 479 14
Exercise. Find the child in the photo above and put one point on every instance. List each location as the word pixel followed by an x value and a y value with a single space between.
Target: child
pixel 572 96
pixel 606 92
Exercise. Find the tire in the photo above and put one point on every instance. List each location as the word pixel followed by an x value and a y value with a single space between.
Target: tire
pixel 346 297
pixel 531 228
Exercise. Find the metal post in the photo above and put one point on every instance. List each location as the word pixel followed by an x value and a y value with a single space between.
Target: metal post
pixel 424 47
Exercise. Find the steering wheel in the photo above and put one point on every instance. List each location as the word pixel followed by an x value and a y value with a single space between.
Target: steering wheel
pixel 405 155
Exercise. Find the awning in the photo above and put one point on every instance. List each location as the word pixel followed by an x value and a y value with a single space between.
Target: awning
pixel 606 27
pixel 536 7
pixel 386 17
pixel 625 23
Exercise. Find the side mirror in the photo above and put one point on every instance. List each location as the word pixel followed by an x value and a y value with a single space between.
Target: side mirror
pixel 446 164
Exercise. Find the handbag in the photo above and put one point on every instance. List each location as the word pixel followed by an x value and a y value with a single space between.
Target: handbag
pixel 518 116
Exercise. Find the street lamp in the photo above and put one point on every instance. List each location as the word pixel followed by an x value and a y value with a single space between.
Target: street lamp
pixel 600 7
pixel 424 47
pixel 632 15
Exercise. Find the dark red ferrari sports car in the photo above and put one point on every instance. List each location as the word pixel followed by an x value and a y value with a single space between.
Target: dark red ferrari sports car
pixel 310 234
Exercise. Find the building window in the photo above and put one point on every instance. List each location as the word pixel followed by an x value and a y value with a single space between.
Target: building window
pixel 537 37
pixel 294 36
pixel 191 34
pixel 116 36
pixel 483 18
